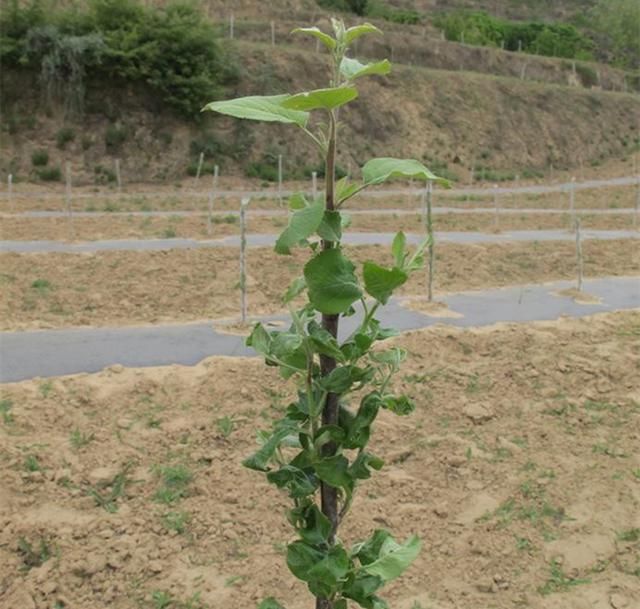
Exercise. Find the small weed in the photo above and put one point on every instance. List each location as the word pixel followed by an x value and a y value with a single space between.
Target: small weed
pixel 42 286
pixel 523 544
pixel 5 410
pixel 228 219
pixel 233 580
pixel 603 449
pixel 176 521
pixel 50 174
pixel 34 556
pixel 175 479
pixel 45 388
pixel 636 473
pixel 117 485
pixel 169 233
pixel 225 426
pixel 161 599
pixel 31 464
pixel 630 535
pixel 78 438
pixel 558 581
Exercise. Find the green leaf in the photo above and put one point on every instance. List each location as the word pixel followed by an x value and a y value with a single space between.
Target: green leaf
pixel 340 379
pixel 394 559
pixel 326 99
pixel 270 603
pixel 259 461
pixel 360 30
pixel 352 68
pixel 361 467
pixel 330 228
pixel 268 108
pixel 380 282
pixel 369 551
pixel 315 527
pixel 379 170
pixel 359 426
pixel 323 342
pixel 260 340
pixel 294 480
pixel 400 405
pixel 398 249
pixel 362 588
pixel 302 224
pixel 334 471
pixel 331 281
pixel 297 201
pixel 295 288
pixel 345 189
pixel 330 570
pixel 329 42
pixel 301 557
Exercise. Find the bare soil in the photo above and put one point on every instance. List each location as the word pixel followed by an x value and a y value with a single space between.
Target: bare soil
pixel 127 288
pixel 129 227
pixel 519 470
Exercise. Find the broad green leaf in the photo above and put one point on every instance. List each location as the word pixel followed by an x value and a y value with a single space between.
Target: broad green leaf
pixel 331 281
pixel 295 288
pixel 323 342
pixel 359 426
pixel 259 339
pixel 369 551
pixel 394 559
pixel 341 379
pixel 416 261
pixel 392 357
pixel 260 459
pixel 345 189
pixel 330 571
pixel 295 480
pixel 398 248
pixel 326 99
pixel 380 282
pixel 400 405
pixel 302 224
pixel 330 228
pixel 334 471
pixel 301 557
pixel 268 108
pixel 360 30
pixel 379 170
pixel 352 68
pixel 297 201
pixel 362 588
pixel 362 465
pixel 329 42
pixel 270 603
pixel 315 527
pixel 328 433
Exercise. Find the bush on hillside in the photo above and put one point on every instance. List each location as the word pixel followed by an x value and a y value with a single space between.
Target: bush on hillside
pixel 173 50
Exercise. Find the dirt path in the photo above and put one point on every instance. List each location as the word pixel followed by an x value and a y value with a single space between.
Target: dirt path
pixel 519 470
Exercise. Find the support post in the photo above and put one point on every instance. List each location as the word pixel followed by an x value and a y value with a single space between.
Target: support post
pixel 273 34
pixel 212 195
pixel 280 179
pixel 637 204
pixel 243 258
pixel 572 202
pixel 199 170
pixel 231 26
pixel 431 246
pixel 118 176
pixel 314 184
pixel 10 190
pixel 496 217
pixel 67 200
pixel 579 254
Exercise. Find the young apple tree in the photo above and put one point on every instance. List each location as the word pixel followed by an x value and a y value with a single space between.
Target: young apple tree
pixel 318 452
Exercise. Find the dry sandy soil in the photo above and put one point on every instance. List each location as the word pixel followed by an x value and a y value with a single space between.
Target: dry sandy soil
pixel 123 227
pixel 127 288
pixel 519 470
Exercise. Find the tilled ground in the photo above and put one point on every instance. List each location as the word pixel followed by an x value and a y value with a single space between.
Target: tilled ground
pixel 127 288
pixel 519 471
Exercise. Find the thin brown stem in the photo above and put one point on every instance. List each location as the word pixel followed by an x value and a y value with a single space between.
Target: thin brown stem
pixel 329 494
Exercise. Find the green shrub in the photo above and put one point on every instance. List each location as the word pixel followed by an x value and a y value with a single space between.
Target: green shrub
pixel 172 49
pixel 103 175
pixel 359 7
pixel 207 144
pixel 588 76
pixel 64 136
pixel 207 168
pixel 39 158
pixel 264 170
pixel 49 174
pixel 114 137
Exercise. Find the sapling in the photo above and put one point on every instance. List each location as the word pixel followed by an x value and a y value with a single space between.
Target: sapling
pixel 317 452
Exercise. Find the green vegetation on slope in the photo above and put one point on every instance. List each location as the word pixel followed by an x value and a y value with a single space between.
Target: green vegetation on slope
pixel 173 49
